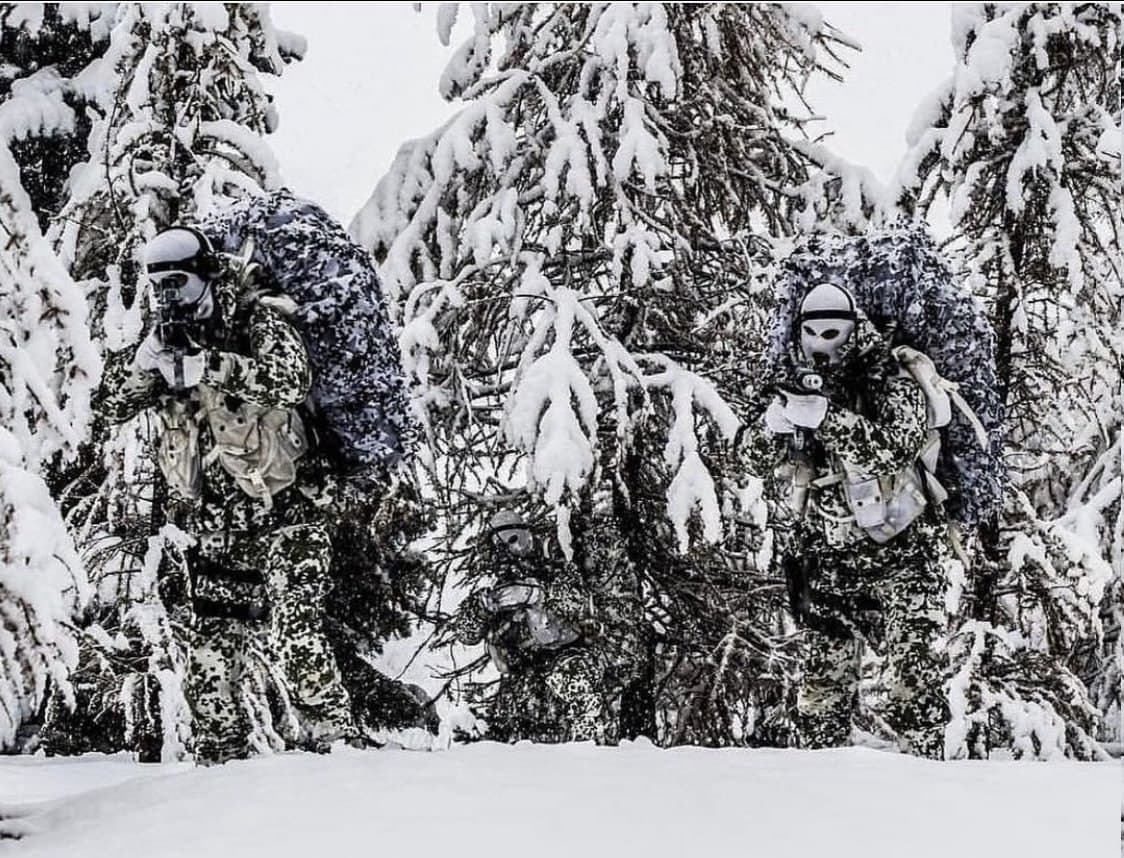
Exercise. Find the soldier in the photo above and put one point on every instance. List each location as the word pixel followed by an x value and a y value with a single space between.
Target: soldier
pixel 539 628
pixel 228 374
pixel 865 544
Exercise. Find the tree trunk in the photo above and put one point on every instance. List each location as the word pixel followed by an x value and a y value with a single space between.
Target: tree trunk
pixel 1006 302
pixel 638 701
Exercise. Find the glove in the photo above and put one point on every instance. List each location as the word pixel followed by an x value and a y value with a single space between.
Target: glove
pixel 154 356
pixel 775 420
pixel 515 595
pixel 148 353
pixel 805 409
pixel 549 631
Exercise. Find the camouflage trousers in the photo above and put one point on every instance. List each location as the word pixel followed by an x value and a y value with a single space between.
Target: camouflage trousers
pixel 891 596
pixel 557 699
pixel 259 613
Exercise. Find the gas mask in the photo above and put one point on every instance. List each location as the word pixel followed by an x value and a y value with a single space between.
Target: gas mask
pixel 511 533
pixel 827 321
pixel 189 293
pixel 181 262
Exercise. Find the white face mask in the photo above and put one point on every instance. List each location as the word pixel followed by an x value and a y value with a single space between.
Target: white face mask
pixel 827 320
pixel 517 540
pixel 822 340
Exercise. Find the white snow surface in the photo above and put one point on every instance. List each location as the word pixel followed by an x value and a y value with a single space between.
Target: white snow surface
pixel 570 800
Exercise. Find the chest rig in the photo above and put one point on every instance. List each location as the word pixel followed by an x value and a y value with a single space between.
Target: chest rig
pixel 881 506
pixel 853 505
pixel 258 446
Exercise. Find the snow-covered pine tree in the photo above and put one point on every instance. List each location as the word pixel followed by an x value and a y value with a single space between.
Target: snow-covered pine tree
pixel 556 254
pixel 46 46
pixel 182 112
pixel 1023 142
pixel 48 366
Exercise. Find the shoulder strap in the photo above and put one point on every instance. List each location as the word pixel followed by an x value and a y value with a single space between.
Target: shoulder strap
pixel 953 391
pixel 249 290
pixel 924 371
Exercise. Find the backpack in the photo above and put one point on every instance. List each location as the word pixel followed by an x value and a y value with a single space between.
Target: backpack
pixel 358 396
pixel 940 334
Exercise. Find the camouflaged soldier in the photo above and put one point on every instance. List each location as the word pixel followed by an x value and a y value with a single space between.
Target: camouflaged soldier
pixel 538 625
pixel 864 550
pixel 228 374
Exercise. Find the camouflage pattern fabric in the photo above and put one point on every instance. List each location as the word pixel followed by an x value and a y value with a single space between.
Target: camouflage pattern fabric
pixel 544 694
pixel 558 698
pixel 357 384
pixel 890 596
pixel 254 559
pixel 217 654
pixel 575 680
pixel 293 565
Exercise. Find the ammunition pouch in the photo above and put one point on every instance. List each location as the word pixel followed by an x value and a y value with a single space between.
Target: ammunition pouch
pixel 178 450
pixel 259 447
pixel 884 506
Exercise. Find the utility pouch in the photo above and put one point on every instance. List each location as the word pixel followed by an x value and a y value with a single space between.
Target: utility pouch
pixel 867 501
pixel 178 452
pixel 898 503
pixel 906 503
pixel 258 446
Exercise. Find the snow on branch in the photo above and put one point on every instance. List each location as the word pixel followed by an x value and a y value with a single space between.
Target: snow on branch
pixel 542 250
pixel 48 366
pixel 692 488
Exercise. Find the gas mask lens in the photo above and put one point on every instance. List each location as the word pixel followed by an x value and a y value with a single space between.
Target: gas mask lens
pixel 179 287
pixel 517 540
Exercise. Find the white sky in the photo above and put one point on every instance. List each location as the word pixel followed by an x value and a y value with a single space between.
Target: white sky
pixel 369 83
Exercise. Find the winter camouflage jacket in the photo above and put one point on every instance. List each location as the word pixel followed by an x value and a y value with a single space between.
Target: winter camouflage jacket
pixel 564 606
pixel 254 355
pixel 876 422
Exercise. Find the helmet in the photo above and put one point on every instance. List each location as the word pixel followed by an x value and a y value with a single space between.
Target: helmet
pixel 181 263
pixel 827 319
pixel 510 532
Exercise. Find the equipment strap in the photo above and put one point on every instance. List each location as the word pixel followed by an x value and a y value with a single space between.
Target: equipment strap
pixel 953 391
pixel 829 480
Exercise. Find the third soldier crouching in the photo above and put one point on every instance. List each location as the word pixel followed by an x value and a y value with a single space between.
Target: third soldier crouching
pixel 537 623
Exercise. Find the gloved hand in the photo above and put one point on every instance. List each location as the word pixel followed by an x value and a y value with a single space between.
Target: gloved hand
pixel 805 409
pixel 154 356
pixel 775 420
pixel 511 596
pixel 148 353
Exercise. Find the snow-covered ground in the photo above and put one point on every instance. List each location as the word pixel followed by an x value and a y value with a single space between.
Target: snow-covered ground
pixel 574 801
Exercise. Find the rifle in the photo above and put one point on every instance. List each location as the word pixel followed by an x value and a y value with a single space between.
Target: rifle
pixel 172 329
pixel 821 614
pixel 807 379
